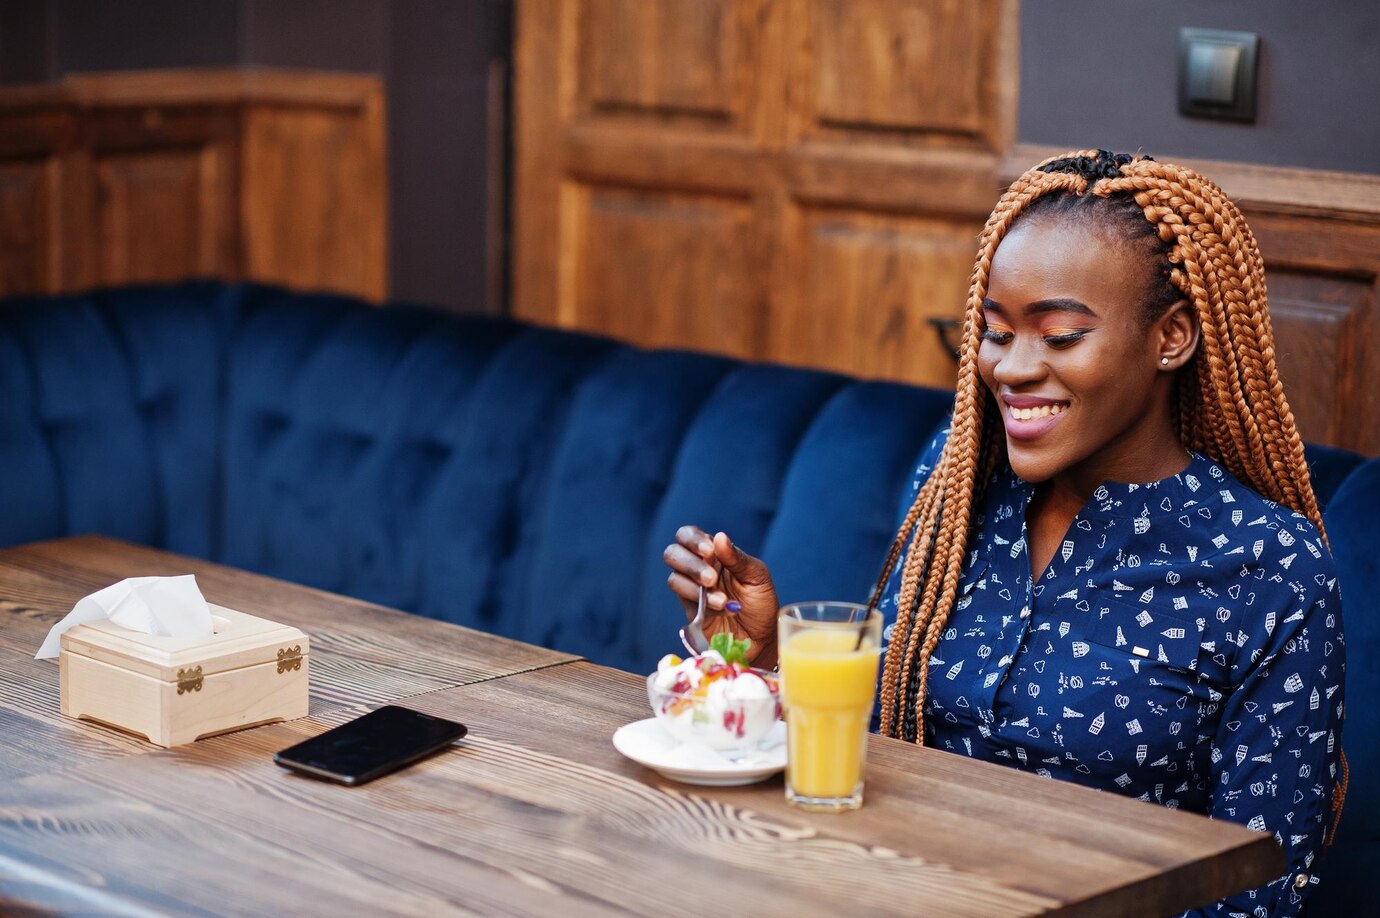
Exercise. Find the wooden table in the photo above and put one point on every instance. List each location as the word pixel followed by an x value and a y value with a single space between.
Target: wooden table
pixel 534 812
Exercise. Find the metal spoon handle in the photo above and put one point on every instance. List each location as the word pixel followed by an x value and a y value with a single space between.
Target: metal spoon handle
pixel 692 635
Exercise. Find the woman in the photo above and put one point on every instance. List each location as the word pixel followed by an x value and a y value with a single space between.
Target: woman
pixel 1113 571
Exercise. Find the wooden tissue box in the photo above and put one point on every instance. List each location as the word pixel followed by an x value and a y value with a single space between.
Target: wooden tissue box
pixel 173 690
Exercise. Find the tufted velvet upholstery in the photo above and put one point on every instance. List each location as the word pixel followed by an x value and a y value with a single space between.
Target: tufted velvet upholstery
pixel 517 480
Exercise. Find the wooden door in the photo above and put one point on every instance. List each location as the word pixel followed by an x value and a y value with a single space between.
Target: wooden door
pixel 796 180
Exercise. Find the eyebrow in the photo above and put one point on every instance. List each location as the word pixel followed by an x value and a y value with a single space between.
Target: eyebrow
pixel 1054 304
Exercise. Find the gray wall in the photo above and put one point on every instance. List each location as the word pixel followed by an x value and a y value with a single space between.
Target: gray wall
pixel 441 61
pixel 1101 73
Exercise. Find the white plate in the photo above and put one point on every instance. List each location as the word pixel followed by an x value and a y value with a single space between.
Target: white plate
pixel 645 742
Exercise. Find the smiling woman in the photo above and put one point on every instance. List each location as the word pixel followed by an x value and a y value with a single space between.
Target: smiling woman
pixel 1113 570
pixel 1114 564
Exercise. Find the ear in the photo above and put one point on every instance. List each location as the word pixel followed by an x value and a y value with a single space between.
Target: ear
pixel 1175 337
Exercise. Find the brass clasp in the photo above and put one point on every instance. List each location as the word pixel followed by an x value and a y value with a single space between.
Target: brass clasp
pixel 289 658
pixel 189 680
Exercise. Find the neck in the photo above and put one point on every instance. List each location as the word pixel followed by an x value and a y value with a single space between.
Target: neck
pixel 1149 452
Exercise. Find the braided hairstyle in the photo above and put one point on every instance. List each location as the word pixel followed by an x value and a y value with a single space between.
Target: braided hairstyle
pixel 1230 405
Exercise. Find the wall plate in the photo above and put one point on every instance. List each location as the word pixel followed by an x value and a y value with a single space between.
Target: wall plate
pixel 1217 73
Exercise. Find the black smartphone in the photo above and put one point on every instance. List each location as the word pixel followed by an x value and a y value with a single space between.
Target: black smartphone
pixel 368 747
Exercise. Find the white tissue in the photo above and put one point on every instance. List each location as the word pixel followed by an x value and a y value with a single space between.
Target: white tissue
pixel 170 606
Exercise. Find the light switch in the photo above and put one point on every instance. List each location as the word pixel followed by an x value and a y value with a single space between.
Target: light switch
pixel 1217 71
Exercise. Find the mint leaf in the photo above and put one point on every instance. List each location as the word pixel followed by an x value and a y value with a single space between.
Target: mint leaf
pixel 722 643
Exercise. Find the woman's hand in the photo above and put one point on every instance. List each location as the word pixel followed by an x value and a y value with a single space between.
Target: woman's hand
pixel 729 576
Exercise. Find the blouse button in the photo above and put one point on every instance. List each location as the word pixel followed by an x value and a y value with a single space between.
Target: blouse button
pixel 1301 881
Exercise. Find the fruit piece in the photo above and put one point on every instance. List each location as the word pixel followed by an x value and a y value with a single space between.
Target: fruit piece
pixel 667 662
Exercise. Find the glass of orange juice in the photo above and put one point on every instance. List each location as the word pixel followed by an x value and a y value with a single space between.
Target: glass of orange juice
pixel 829 653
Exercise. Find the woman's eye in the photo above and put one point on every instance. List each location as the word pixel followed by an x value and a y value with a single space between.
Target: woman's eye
pixel 1065 340
pixel 995 336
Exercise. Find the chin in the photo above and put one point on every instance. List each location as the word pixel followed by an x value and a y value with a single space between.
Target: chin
pixel 1029 465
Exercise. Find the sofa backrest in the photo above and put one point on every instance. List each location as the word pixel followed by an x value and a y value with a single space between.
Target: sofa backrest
pixel 525 481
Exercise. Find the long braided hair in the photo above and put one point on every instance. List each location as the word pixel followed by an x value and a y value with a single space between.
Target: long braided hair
pixel 1230 404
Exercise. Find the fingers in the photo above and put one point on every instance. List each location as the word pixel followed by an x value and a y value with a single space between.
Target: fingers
pixel 697 559
pixel 679 558
pixel 696 540
pixel 684 588
pixel 688 591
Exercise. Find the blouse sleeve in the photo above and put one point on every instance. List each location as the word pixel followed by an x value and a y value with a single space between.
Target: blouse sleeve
pixel 1276 755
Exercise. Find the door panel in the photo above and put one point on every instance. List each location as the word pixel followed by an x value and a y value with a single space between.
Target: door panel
pixel 156 217
pixel 905 67
pixel 661 58
pixel 27 247
pixel 870 284
pixel 685 253
pixel 1318 322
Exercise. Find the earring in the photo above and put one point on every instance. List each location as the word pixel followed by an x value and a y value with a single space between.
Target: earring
pixel 1164 361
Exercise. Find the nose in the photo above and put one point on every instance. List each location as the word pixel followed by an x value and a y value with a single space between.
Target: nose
pixel 1020 363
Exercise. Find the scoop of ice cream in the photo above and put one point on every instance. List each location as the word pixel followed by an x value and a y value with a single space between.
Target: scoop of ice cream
pixel 749 686
pixel 676 675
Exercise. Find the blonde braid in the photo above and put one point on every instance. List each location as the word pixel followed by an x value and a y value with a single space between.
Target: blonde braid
pixel 943 508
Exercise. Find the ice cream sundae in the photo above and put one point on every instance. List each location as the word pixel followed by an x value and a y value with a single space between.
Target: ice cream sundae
pixel 714 698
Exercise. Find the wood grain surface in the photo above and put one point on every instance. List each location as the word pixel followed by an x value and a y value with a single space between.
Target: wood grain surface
pixel 534 812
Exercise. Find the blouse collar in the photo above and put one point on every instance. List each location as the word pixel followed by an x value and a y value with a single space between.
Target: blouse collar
pixel 1199 482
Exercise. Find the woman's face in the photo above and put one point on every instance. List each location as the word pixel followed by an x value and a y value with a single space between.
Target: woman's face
pixel 1076 373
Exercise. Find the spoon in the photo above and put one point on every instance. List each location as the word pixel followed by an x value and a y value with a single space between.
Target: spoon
pixel 692 635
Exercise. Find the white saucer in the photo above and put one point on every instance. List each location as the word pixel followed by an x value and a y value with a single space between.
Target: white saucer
pixel 645 742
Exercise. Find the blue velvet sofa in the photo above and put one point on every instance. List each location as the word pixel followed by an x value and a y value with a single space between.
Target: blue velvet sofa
pixel 513 479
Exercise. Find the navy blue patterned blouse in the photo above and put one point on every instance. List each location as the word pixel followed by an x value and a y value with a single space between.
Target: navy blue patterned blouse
pixel 1184 646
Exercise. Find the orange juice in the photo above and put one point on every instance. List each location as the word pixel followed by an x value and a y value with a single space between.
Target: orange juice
pixel 827 686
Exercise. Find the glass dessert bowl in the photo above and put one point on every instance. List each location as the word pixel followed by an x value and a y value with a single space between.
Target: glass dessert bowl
pixel 714 699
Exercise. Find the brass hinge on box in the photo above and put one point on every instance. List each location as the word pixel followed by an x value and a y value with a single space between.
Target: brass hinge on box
pixel 290 658
pixel 189 680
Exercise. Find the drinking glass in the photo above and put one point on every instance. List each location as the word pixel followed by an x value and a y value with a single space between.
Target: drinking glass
pixel 829 653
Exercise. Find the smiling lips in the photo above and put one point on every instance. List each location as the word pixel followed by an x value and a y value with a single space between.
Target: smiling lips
pixel 1027 417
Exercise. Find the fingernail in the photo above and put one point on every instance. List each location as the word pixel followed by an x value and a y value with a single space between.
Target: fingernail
pixel 708 577
pixel 733 606
pixel 706 548
pixel 716 599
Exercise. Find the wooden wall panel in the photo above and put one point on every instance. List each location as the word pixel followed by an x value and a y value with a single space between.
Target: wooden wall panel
pixel 161 215
pixel 146 180
pixel 27 247
pixel 685 253
pixel 868 286
pixel 313 186
pixel 911 66
pixel 1317 322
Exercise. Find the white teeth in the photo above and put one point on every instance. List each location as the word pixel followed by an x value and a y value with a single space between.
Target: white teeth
pixel 1030 414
